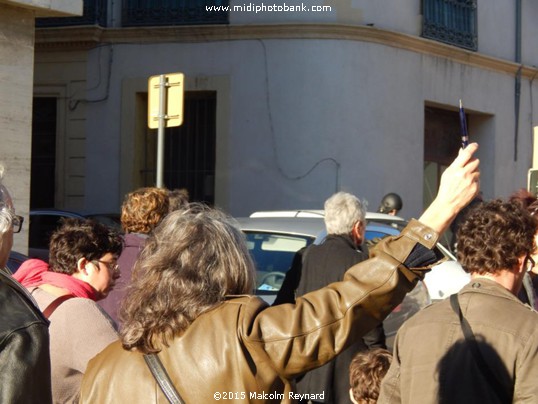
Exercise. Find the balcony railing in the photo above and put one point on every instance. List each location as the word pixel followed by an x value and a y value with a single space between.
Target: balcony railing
pixel 94 13
pixel 451 21
pixel 174 12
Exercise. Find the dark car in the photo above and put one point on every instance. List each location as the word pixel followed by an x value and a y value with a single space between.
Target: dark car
pixel 15 260
pixel 43 222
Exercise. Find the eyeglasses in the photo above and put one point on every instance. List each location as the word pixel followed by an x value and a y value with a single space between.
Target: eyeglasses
pixel 16 222
pixel 530 263
pixel 112 267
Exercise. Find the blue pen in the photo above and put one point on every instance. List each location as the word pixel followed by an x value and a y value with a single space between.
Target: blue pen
pixel 463 124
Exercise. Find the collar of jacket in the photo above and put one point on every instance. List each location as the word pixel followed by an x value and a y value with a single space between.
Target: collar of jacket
pixel 345 238
pixel 489 287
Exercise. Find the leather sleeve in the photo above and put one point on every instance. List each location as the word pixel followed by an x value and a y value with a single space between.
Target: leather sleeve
pixel 25 365
pixel 307 334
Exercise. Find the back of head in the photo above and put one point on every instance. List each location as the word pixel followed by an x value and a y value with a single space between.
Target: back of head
pixel 191 262
pixel 366 371
pixel 77 238
pixel 342 212
pixel 494 235
pixel 390 202
pixel 143 209
pixel 178 199
pixel 526 200
pixel 6 220
pixel 6 206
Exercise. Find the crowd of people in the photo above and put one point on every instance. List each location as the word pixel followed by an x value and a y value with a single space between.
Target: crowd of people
pixel 165 311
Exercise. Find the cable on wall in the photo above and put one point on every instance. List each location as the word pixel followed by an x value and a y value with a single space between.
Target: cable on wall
pixel 273 135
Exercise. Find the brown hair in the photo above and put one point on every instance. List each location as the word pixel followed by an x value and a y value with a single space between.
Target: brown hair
pixel 178 199
pixel 527 201
pixel 494 235
pixel 77 238
pixel 143 210
pixel 193 260
pixel 366 371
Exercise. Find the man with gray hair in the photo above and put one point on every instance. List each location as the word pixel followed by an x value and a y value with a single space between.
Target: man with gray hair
pixel 24 337
pixel 324 264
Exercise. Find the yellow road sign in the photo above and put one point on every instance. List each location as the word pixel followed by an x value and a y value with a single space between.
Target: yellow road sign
pixel 173 111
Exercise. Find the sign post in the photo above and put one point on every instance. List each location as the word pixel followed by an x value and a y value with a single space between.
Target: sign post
pixel 165 110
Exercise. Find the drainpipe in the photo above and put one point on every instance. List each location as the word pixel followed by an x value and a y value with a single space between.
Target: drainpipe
pixel 518 75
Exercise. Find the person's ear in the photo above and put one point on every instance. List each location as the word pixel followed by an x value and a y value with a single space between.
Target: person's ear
pixel 351 396
pixel 84 266
pixel 357 233
pixel 521 264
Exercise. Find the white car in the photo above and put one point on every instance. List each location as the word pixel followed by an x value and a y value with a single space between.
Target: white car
pixel 273 237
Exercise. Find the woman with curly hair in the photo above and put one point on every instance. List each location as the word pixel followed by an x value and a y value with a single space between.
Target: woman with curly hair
pixel 141 211
pixel 190 306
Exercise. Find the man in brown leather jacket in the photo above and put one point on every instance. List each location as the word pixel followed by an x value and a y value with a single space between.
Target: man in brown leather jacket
pixel 233 347
pixel 24 336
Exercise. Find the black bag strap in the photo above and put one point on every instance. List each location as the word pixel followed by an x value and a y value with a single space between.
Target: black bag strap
pixel 496 384
pixel 161 376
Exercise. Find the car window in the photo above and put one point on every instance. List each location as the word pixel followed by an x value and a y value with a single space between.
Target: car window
pixel 370 235
pixel 272 255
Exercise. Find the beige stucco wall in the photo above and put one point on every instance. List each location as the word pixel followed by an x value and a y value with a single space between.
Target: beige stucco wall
pixel 16 87
pixel 48 8
pixel 17 21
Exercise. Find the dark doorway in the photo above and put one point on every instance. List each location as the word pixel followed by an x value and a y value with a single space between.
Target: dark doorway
pixel 42 187
pixel 190 149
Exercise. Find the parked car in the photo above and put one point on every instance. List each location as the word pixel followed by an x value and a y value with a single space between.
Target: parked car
pixel 15 260
pixel 273 237
pixel 44 221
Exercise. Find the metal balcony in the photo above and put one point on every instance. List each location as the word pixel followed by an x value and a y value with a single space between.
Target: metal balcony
pixel 174 12
pixel 451 21
pixel 94 13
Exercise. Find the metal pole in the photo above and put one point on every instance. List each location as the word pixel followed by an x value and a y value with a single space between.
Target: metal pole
pixel 160 133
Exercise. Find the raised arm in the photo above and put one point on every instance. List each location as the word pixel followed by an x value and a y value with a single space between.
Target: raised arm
pixel 460 183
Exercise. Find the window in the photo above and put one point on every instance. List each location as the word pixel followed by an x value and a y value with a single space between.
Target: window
pixel 93 13
pixel 451 21
pixel 174 12
pixel 190 149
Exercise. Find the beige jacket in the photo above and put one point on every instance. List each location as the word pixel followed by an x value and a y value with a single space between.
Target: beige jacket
pixel 244 351
pixel 433 363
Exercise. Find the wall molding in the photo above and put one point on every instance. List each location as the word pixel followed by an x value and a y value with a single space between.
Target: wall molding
pixel 73 37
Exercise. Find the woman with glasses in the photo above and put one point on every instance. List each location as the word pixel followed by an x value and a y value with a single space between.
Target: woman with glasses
pixel 82 269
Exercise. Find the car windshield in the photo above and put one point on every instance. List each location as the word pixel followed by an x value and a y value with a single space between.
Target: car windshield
pixel 272 254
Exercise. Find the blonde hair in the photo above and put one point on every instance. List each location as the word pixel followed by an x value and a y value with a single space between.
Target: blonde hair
pixel 193 260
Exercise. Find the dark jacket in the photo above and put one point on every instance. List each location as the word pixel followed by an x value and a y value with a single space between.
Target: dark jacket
pixel 243 351
pixel 434 364
pixel 24 347
pixel 322 265
pixel 133 245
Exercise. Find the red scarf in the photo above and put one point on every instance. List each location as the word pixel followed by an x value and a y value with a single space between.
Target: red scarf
pixel 35 272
